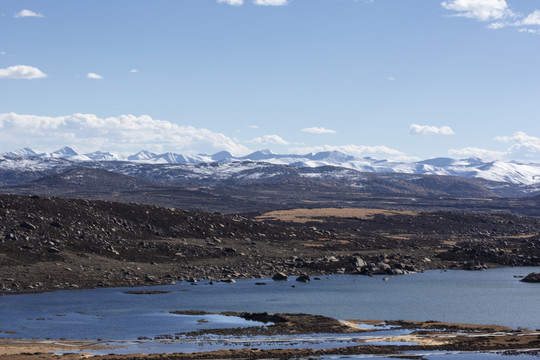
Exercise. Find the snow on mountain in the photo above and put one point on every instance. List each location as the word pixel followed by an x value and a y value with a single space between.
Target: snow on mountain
pixel 515 173
pixel 142 155
pixel 440 161
pixel 103 156
pixel 172 158
pixel 222 156
pixel 79 157
pixel 332 157
pixel 510 172
pixel 65 153
pixel 26 152
pixel 260 155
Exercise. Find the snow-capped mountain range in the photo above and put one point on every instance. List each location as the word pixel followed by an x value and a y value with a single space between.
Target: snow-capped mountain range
pixel 510 172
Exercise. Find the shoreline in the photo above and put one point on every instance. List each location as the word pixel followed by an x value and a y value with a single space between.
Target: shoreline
pixel 267 278
pixel 421 337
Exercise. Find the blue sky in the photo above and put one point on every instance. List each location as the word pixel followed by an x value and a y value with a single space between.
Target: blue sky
pixel 387 78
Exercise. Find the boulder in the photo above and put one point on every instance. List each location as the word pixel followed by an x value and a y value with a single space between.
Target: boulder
pixel 28 226
pixel 56 224
pixel 358 262
pixel 279 277
pixel 532 278
pixel 303 278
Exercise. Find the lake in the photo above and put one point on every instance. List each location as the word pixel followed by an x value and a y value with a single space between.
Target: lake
pixel 487 297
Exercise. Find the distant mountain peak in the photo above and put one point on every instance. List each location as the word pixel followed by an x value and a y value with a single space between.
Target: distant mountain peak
pixel 259 155
pixel 26 152
pixel 222 156
pixel 502 171
pixel 332 155
pixel 142 155
pixel 103 156
pixel 66 151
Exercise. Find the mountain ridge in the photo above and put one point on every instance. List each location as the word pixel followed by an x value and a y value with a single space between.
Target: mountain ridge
pixel 512 172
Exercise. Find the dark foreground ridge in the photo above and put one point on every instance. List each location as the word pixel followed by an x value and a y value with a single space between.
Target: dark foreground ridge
pixel 54 243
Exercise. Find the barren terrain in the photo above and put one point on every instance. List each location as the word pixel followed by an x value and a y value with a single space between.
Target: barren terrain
pixel 53 243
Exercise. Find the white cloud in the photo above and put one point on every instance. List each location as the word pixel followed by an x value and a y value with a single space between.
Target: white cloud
pixel 525 24
pixel 497 12
pixel 360 150
pixel 468 152
pixel 21 72
pixel 318 130
pixel 391 78
pixel 498 25
pixel 256 2
pixel 523 147
pixel 253 126
pixel 133 71
pixel 519 137
pixel 94 76
pixel 530 31
pixel 532 19
pixel 416 129
pixel 483 10
pixel 123 134
pixel 232 2
pixel 269 140
pixel 2 53
pixel 27 13
pixel 270 2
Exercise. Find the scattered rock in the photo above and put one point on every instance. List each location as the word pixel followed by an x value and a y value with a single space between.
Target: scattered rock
pixel 358 262
pixel 279 277
pixel 532 278
pixel 149 278
pixel 27 225
pixel 56 224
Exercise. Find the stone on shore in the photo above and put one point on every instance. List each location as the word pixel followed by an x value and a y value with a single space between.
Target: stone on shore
pixel 532 278
pixel 279 277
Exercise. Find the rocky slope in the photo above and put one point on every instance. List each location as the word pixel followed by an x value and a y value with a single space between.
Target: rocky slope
pixel 53 243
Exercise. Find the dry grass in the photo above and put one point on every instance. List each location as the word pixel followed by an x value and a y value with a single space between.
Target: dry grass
pixel 19 347
pixel 319 215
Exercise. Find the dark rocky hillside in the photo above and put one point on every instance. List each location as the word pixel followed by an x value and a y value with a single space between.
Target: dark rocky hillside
pixel 90 180
pixel 99 184
pixel 288 188
pixel 55 243
pixel 425 186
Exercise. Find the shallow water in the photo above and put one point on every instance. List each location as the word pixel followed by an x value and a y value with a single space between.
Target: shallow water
pixel 487 297
pixel 443 355
pixel 213 343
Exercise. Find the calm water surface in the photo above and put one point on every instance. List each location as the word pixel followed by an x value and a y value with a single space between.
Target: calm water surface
pixel 487 297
